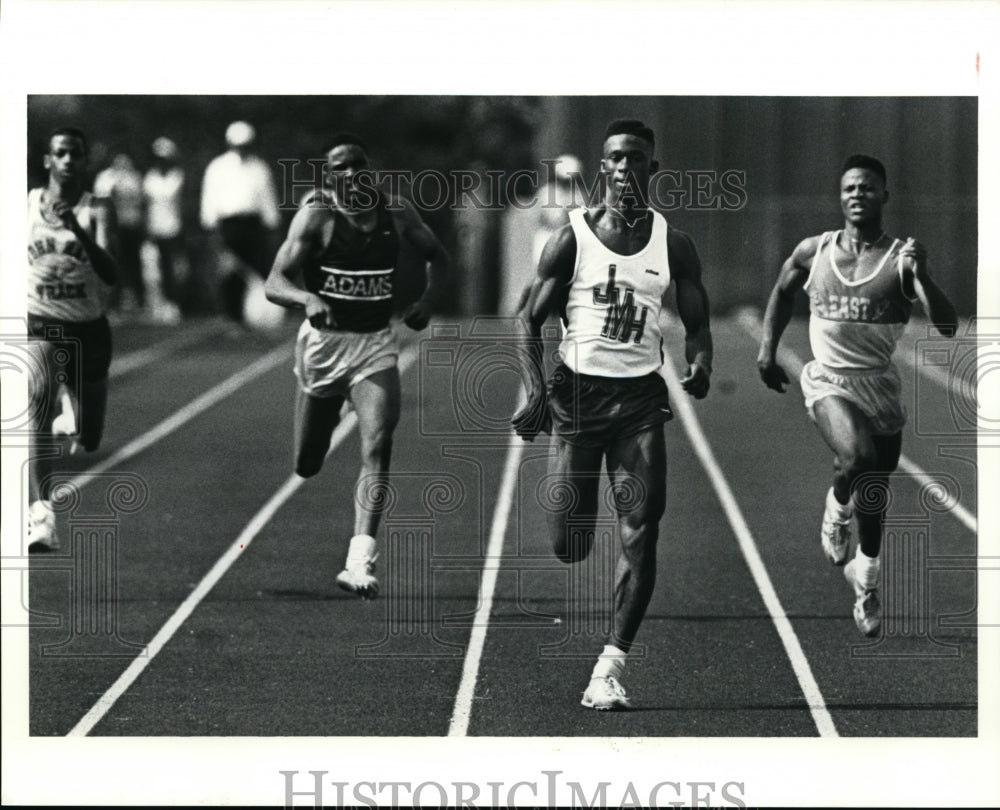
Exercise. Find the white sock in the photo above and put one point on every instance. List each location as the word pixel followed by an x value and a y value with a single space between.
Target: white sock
pixel 866 569
pixel 611 662
pixel 842 511
pixel 362 548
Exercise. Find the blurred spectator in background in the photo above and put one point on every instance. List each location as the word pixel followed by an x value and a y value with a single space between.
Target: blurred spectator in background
pixel 239 201
pixel 119 186
pixel 555 199
pixel 165 266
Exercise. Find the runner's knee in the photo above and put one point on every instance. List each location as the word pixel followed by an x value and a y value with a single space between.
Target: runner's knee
pixel 376 444
pixel 638 534
pixel 858 462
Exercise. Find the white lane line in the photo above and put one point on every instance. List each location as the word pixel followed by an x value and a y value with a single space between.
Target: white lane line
pixel 186 414
pixel 956 510
pixel 803 672
pixel 462 713
pixel 795 364
pixel 127 363
pixel 187 607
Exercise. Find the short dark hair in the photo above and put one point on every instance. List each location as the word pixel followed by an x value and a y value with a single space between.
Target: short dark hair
pixel 864 162
pixel 630 126
pixel 343 138
pixel 71 132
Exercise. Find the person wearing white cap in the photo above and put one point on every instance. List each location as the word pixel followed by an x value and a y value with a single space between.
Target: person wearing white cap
pixel 239 201
pixel 165 263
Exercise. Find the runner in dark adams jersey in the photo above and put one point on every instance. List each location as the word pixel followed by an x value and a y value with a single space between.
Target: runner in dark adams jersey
pixel 337 265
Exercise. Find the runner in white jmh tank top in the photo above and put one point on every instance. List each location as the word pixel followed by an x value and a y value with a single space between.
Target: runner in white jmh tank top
pixel 69 276
pixel 607 273
pixel 861 285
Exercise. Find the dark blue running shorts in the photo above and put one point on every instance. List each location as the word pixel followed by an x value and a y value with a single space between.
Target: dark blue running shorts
pixel 594 411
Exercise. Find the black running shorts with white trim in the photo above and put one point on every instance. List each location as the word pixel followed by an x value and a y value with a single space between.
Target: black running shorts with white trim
pixel 592 411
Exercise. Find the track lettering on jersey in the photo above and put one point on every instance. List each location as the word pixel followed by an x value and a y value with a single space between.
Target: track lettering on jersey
pixel 60 291
pixel 620 321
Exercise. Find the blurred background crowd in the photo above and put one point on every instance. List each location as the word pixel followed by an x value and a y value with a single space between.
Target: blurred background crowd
pixel 203 191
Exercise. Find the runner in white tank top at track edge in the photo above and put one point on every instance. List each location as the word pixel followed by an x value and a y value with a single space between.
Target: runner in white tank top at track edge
pixel 606 274
pixel 70 273
pixel 861 285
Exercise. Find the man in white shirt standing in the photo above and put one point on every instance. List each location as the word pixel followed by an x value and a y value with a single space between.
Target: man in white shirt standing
pixel 239 201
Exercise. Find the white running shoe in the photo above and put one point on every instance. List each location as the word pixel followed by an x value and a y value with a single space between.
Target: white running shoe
pixel 867 607
pixel 65 423
pixel 605 694
pixel 835 534
pixel 358 577
pixel 42 528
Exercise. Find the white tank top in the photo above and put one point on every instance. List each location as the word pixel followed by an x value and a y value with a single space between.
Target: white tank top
pixel 857 313
pixel 62 284
pixel 613 307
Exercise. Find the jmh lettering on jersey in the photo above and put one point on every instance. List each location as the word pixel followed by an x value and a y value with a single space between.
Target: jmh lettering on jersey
pixel 620 321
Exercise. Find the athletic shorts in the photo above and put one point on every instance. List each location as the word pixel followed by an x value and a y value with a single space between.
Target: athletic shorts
pixel 594 411
pixel 329 363
pixel 877 393
pixel 87 344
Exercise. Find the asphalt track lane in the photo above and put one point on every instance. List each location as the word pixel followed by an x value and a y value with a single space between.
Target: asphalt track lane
pixel 339 673
pixel 274 649
pixel 198 479
pixel 711 663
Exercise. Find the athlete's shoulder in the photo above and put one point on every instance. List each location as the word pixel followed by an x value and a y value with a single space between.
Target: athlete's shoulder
pixel 562 240
pixel 558 259
pixel 681 250
pixel 313 213
pixel 806 249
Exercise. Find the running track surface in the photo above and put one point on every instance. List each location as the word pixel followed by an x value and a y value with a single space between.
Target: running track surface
pixel 479 631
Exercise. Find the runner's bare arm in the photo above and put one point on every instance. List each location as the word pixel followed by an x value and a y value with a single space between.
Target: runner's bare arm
pixel 546 295
pixel 95 244
pixel 936 304
pixel 692 306
pixel 284 283
pixel 437 262
pixel 793 275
